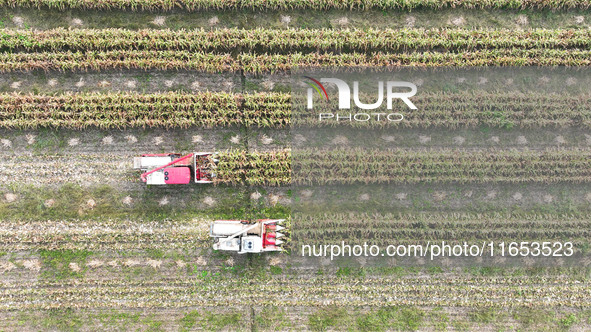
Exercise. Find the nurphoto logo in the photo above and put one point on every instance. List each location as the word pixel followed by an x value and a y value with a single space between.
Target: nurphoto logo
pixel 344 99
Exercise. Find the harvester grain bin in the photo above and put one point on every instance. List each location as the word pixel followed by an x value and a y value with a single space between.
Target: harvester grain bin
pixel 174 168
pixel 243 236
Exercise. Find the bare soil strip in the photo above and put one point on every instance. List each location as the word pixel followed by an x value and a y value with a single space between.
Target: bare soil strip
pixel 332 19
pixel 292 291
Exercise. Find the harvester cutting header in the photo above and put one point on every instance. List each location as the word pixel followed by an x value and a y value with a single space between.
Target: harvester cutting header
pixel 174 168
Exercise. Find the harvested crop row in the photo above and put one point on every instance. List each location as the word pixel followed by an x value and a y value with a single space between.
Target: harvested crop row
pixel 271 40
pixel 83 168
pixel 289 291
pixel 271 63
pixel 273 110
pixel 103 235
pixel 194 5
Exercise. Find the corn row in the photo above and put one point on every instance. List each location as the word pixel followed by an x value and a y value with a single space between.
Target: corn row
pixel 270 40
pixel 263 63
pixel 254 168
pixel 271 63
pixel 121 110
pixel 442 220
pixel 194 5
pixel 384 228
pixel 404 166
pixel 479 108
pixel 442 166
pixel 381 229
pixel 118 59
pixel 273 110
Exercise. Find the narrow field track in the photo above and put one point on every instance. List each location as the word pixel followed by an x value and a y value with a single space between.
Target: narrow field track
pixel 104 235
pixel 290 291
pixel 291 4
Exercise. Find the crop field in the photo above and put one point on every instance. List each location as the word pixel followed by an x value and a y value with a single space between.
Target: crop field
pixel 86 86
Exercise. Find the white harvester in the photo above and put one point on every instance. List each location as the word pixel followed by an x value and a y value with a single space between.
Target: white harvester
pixel 243 236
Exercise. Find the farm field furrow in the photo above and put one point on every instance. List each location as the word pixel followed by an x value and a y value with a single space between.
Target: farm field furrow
pixel 126 143
pixel 144 81
pixel 508 292
pixel 130 142
pixel 337 19
pixel 293 4
pixel 247 318
pixel 103 235
pixel 102 204
pixel 81 169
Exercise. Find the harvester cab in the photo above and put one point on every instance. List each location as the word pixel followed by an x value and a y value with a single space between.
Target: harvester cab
pixel 247 237
pixel 174 168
